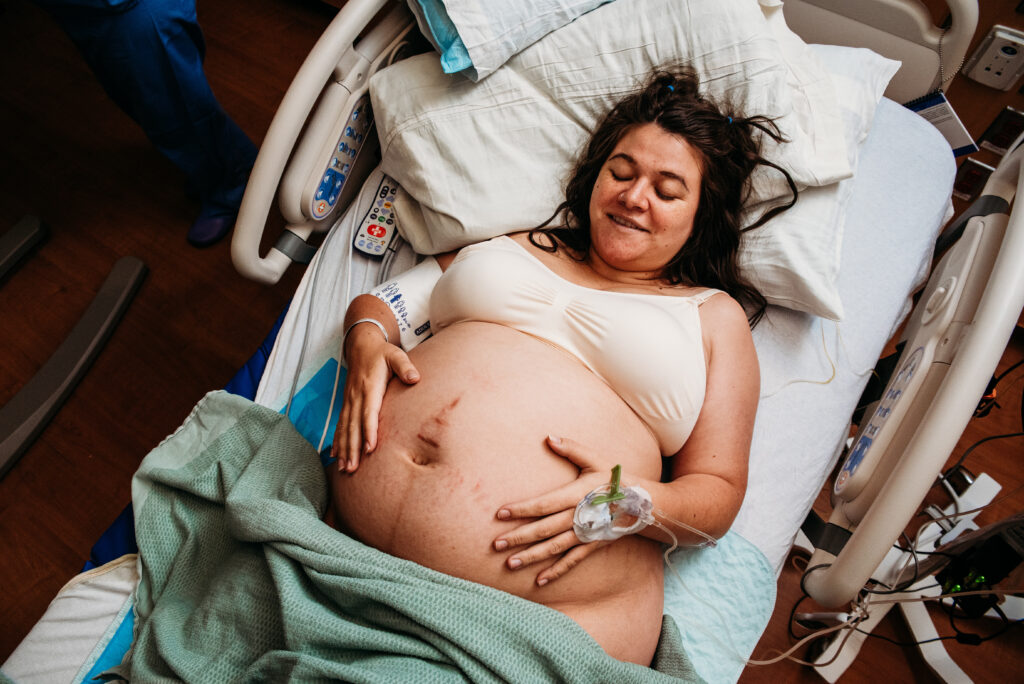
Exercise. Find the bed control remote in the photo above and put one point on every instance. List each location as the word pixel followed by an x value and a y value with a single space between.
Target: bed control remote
pixel 378 227
pixel 344 157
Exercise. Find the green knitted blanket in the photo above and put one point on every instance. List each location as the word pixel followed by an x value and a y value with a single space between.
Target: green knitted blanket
pixel 242 581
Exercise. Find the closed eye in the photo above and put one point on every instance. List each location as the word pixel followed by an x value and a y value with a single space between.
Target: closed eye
pixel 662 195
pixel 665 196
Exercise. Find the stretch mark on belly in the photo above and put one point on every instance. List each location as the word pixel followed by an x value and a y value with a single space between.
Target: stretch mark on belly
pixel 478 494
pixel 432 431
pixel 429 440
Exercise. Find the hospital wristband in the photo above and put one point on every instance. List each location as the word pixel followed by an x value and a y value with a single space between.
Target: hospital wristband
pixel 408 297
pixel 363 320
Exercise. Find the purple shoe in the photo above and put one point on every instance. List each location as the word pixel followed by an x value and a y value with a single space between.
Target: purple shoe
pixel 209 230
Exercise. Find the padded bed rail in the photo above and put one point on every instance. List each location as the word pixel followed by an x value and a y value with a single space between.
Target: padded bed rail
pixel 954 339
pixel 899 29
pixel 329 87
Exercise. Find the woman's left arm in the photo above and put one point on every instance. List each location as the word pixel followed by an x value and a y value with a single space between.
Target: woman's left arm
pixel 709 474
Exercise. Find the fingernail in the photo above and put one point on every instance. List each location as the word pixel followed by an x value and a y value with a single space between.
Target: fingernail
pixel 542 582
pixel 554 440
pixel 500 545
pixel 504 514
pixel 514 563
pixel 412 376
pixel 366 447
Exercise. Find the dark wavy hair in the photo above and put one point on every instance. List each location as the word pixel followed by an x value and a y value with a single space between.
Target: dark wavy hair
pixel 729 149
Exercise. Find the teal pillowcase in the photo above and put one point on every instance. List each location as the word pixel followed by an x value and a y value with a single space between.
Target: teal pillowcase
pixel 475 37
pixel 454 55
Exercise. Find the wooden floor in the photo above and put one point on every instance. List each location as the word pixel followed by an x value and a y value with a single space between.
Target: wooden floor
pixel 71 157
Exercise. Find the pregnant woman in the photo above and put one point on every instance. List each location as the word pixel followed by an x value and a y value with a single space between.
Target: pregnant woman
pixel 619 337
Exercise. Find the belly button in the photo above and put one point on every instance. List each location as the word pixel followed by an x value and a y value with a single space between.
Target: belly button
pixel 420 459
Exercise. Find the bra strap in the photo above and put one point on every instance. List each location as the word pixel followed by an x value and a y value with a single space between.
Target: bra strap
pixel 704 296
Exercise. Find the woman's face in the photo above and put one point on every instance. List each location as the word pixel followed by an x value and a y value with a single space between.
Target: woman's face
pixel 644 201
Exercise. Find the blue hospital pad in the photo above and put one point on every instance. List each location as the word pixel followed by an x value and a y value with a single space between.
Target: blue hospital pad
pixel 247 378
pixel 113 646
pixel 723 606
pixel 309 406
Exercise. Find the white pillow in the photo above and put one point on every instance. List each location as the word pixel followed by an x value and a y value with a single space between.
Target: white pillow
pixel 794 259
pixel 475 37
pixel 490 158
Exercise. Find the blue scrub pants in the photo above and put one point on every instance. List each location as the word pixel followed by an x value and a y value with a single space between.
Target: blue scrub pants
pixel 148 56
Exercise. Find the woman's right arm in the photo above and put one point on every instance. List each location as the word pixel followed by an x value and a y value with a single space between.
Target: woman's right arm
pixel 371 359
pixel 372 354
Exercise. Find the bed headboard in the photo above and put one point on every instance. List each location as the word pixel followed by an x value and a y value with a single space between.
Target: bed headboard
pixel 898 29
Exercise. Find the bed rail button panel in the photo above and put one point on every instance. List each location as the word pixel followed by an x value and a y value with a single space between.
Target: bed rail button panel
pixel 346 150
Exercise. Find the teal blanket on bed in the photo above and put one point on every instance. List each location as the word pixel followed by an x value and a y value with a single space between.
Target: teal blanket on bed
pixel 242 581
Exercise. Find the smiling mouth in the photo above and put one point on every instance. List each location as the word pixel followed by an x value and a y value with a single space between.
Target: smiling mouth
pixel 626 223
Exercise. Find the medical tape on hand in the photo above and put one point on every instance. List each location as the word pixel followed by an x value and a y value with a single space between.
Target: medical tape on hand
pixel 610 520
pixel 408 297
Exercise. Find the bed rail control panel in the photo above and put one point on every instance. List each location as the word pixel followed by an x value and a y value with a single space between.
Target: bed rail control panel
pixel 319 147
pixel 959 330
pixel 903 383
pixel 379 225
pixel 346 151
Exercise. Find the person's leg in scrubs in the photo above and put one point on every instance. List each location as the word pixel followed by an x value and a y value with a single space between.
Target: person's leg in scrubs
pixel 148 56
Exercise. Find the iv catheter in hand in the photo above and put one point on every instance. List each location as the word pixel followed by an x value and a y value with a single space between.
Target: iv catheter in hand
pixel 612 511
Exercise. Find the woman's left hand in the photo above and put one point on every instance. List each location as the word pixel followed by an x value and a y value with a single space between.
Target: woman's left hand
pixel 552 534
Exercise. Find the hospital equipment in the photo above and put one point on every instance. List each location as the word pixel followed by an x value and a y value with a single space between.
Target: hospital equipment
pixel 950 349
pixel 603 520
pixel 28 412
pixel 885 251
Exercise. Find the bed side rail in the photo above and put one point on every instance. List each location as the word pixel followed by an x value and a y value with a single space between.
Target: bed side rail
pixel 327 87
pixel 954 340
pixel 898 29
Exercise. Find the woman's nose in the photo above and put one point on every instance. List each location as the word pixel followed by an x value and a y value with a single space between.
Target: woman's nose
pixel 634 196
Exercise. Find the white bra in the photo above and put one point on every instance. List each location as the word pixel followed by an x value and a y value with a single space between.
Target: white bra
pixel 646 347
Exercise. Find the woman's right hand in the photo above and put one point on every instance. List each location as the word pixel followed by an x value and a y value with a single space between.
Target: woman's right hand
pixel 371 363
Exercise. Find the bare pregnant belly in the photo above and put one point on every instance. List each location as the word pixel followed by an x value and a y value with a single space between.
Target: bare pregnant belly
pixel 470 437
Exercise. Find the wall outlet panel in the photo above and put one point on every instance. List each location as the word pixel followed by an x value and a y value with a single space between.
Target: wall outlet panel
pixel 999 60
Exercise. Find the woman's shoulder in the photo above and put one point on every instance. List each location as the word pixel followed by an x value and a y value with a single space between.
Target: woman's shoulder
pixel 445 259
pixel 521 236
pixel 722 316
pixel 529 240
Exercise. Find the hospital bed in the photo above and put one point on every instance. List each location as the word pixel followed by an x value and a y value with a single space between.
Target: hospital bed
pixel 839 273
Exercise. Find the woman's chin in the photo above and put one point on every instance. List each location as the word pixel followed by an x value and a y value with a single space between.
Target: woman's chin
pixel 630 254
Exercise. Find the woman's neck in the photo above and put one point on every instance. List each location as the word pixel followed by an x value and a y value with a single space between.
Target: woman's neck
pixel 617 276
